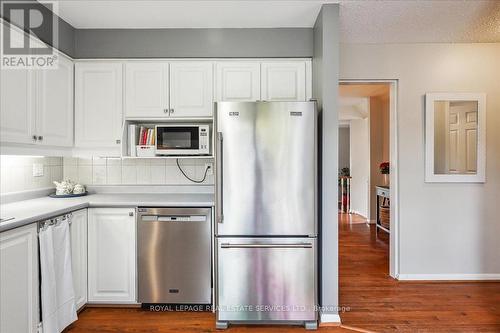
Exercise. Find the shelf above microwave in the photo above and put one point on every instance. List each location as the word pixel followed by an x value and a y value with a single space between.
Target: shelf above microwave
pixel 170 120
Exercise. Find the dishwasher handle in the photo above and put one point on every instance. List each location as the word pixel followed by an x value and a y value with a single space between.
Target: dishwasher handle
pixel 174 218
pixel 266 246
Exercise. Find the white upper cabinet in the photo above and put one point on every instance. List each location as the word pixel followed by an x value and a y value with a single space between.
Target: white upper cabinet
pixel 146 89
pixel 17 113
pixel 37 105
pixel 284 81
pixel 54 116
pixel 238 81
pixel 191 89
pixel 98 104
pixel 111 255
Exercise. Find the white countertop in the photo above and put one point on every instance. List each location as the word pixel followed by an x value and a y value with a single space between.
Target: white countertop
pixel 34 210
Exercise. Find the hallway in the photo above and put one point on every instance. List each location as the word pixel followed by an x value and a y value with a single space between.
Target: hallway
pixel 379 303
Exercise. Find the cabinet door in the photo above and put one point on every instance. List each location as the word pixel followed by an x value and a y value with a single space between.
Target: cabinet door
pixel 237 81
pixel 54 90
pixel 98 104
pixel 191 89
pixel 78 230
pixel 112 255
pixel 17 114
pixel 284 81
pixel 146 89
pixel 19 280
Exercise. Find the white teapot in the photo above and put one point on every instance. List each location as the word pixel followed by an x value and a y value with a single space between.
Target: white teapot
pixel 65 187
pixel 79 189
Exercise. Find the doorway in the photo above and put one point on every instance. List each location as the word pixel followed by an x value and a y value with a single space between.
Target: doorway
pixel 368 161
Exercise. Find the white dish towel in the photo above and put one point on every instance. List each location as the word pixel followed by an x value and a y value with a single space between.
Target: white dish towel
pixel 58 295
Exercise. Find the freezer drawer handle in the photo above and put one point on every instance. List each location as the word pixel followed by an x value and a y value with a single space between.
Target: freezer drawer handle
pixel 268 246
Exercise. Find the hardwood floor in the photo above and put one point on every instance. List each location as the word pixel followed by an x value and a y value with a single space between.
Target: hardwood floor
pixel 112 320
pixel 382 304
pixel 376 302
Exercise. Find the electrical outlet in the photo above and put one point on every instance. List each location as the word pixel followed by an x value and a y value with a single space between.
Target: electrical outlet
pixel 210 167
pixel 37 170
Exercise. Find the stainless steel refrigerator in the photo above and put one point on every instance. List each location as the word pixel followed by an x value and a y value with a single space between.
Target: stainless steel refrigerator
pixel 266 219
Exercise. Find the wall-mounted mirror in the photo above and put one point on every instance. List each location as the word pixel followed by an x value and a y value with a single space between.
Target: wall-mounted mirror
pixel 455 137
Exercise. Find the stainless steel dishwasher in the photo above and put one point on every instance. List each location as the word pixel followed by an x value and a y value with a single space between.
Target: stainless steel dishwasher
pixel 174 257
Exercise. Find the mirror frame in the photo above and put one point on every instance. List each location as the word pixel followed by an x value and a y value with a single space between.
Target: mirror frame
pixel 430 176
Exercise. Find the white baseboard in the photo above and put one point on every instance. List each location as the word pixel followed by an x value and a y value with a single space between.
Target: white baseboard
pixel 449 277
pixel 358 213
pixel 329 318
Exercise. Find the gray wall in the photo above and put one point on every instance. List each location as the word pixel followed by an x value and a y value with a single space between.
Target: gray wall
pixel 194 43
pixel 66 40
pixel 325 89
pixel 181 43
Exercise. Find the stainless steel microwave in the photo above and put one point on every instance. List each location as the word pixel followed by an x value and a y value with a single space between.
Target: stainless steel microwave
pixel 182 139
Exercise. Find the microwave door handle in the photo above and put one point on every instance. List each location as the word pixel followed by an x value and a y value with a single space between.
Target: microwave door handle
pixel 219 185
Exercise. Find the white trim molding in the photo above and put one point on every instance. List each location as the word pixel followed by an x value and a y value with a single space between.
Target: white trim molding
pixel 329 318
pixel 394 247
pixel 449 277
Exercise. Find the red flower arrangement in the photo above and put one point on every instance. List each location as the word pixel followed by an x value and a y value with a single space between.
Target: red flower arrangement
pixel 384 168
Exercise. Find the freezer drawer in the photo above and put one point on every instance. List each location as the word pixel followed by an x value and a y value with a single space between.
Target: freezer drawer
pixel 174 255
pixel 266 279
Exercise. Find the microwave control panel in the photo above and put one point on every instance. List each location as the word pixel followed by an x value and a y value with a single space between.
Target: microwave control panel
pixel 204 140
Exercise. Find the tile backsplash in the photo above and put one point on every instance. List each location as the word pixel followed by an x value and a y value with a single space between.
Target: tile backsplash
pixel 117 171
pixel 18 172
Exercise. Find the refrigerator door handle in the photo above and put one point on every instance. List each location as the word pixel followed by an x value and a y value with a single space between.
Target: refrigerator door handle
pixel 267 246
pixel 219 188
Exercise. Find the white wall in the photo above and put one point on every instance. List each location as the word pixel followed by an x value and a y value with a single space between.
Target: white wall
pixel 379 146
pixel 17 173
pixel 446 230
pixel 344 148
pixel 360 166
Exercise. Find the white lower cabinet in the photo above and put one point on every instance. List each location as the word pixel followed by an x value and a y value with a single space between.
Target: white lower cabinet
pixel 78 231
pixel 19 300
pixel 111 255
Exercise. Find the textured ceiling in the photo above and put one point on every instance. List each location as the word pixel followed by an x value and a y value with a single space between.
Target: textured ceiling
pixel 412 21
pixel 361 21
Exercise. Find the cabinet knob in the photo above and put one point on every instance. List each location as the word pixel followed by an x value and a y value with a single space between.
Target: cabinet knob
pixel 165 110
pixel 118 142
pixel 131 214
pixel 171 110
pixel 40 138
pixel 34 137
